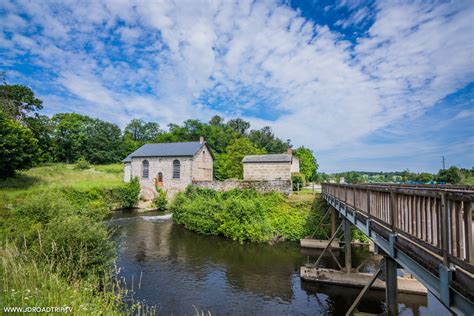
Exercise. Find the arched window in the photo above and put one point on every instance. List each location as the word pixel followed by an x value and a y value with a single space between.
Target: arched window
pixel 145 169
pixel 176 169
pixel 160 177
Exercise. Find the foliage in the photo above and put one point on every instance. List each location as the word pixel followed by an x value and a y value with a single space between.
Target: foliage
pixel 16 101
pixel 141 131
pixel 42 128
pixel 266 140
pixel 298 180
pixel 451 175
pixel 89 186
pixel 308 164
pixel 18 147
pixel 129 193
pixel 160 201
pixel 82 164
pixel 242 215
pixel 27 281
pixel 229 164
pixel 78 136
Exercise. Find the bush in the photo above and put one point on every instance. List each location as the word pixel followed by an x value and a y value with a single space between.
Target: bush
pixel 298 180
pixel 75 247
pixel 161 201
pixel 128 194
pixel 243 215
pixel 82 164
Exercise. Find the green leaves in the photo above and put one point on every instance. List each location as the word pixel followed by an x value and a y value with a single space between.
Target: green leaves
pixel 308 164
pixel 241 215
pixel 18 147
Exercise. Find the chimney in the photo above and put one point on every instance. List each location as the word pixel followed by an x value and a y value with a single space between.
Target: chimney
pixel 290 151
pixel 201 139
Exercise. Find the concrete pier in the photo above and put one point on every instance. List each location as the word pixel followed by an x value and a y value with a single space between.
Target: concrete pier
pixel 352 279
pixel 319 243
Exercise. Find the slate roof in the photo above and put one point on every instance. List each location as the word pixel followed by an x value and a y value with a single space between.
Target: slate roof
pixel 185 149
pixel 267 158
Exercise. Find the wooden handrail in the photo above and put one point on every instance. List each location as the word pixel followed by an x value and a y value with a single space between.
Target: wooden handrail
pixel 439 217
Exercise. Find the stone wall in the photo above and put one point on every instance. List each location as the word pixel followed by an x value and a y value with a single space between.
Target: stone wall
pixel 202 165
pixel 267 171
pixel 295 165
pixel 282 186
pixel 127 169
pixel 165 166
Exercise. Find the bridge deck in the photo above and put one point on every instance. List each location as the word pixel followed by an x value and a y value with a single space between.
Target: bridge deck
pixel 426 229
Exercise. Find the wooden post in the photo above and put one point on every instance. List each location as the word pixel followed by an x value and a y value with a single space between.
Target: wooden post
pixel 368 203
pixel 391 297
pixel 444 228
pixel 468 231
pixel 347 245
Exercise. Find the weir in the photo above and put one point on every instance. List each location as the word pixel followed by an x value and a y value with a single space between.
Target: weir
pixel 426 230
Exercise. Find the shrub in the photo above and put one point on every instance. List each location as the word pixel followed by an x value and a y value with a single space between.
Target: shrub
pixel 243 215
pixel 298 180
pixel 82 164
pixel 128 194
pixel 161 201
pixel 75 247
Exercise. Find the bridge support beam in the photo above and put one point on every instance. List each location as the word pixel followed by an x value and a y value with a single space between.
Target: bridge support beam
pixel 347 245
pixel 333 220
pixel 391 297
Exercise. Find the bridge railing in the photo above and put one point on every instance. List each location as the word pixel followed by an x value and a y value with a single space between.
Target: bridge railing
pixel 438 218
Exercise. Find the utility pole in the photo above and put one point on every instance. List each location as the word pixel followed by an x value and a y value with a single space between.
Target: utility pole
pixel 444 164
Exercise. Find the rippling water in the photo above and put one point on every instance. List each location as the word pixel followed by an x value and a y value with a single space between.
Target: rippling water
pixel 182 272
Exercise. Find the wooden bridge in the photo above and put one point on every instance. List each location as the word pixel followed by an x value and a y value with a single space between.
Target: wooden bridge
pixel 427 230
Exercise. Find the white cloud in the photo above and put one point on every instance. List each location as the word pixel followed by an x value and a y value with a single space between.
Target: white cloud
pixel 329 92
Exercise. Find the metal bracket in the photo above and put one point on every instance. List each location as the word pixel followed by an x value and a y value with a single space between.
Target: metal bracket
pixel 445 278
pixel 391 244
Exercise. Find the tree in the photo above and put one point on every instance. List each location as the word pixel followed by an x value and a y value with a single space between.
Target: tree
pixel 308 164
pixel 141 131
pixel 102 142
pixel 239 126
pixel 265 139
pixel 229 164
pixel 16 101
pixel 451 175
pixel 42 128
pixel 424 177
pixel 18 147
pixel 216 120
pixel 70 133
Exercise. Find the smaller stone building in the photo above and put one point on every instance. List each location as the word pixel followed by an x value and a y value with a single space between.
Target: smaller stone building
pixel 170 166
pixel 270 167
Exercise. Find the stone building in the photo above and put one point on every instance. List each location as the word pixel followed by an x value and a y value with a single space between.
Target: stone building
pixel 270 167
pixel 170 166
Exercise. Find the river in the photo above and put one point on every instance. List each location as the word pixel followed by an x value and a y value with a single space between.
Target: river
pixel 181 272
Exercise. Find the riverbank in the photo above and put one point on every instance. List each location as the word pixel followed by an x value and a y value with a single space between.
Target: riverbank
pixel 56 249
pixel 246 215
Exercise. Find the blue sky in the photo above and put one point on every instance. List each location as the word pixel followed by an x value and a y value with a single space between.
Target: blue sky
pixel 368 85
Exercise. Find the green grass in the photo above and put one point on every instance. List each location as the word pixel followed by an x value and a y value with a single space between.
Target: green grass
pixel 57 176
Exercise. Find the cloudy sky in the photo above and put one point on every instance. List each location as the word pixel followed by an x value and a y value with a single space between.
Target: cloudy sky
pixel 381 85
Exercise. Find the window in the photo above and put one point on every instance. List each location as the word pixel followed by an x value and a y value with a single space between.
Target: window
pixel 176 169
pixel 160 177
pixel 203 155
pixel 145 169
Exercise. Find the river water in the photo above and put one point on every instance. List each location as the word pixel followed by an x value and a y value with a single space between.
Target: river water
pixel 181 272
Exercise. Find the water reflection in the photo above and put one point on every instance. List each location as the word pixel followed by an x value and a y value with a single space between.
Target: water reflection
pixel 183 271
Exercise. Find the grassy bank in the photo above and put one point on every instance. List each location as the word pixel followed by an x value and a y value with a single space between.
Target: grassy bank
pixel 56 249
pixel 246 215
pixel 58 177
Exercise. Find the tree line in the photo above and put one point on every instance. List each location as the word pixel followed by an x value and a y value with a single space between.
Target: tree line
pixel 452 175
pixel 28 138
